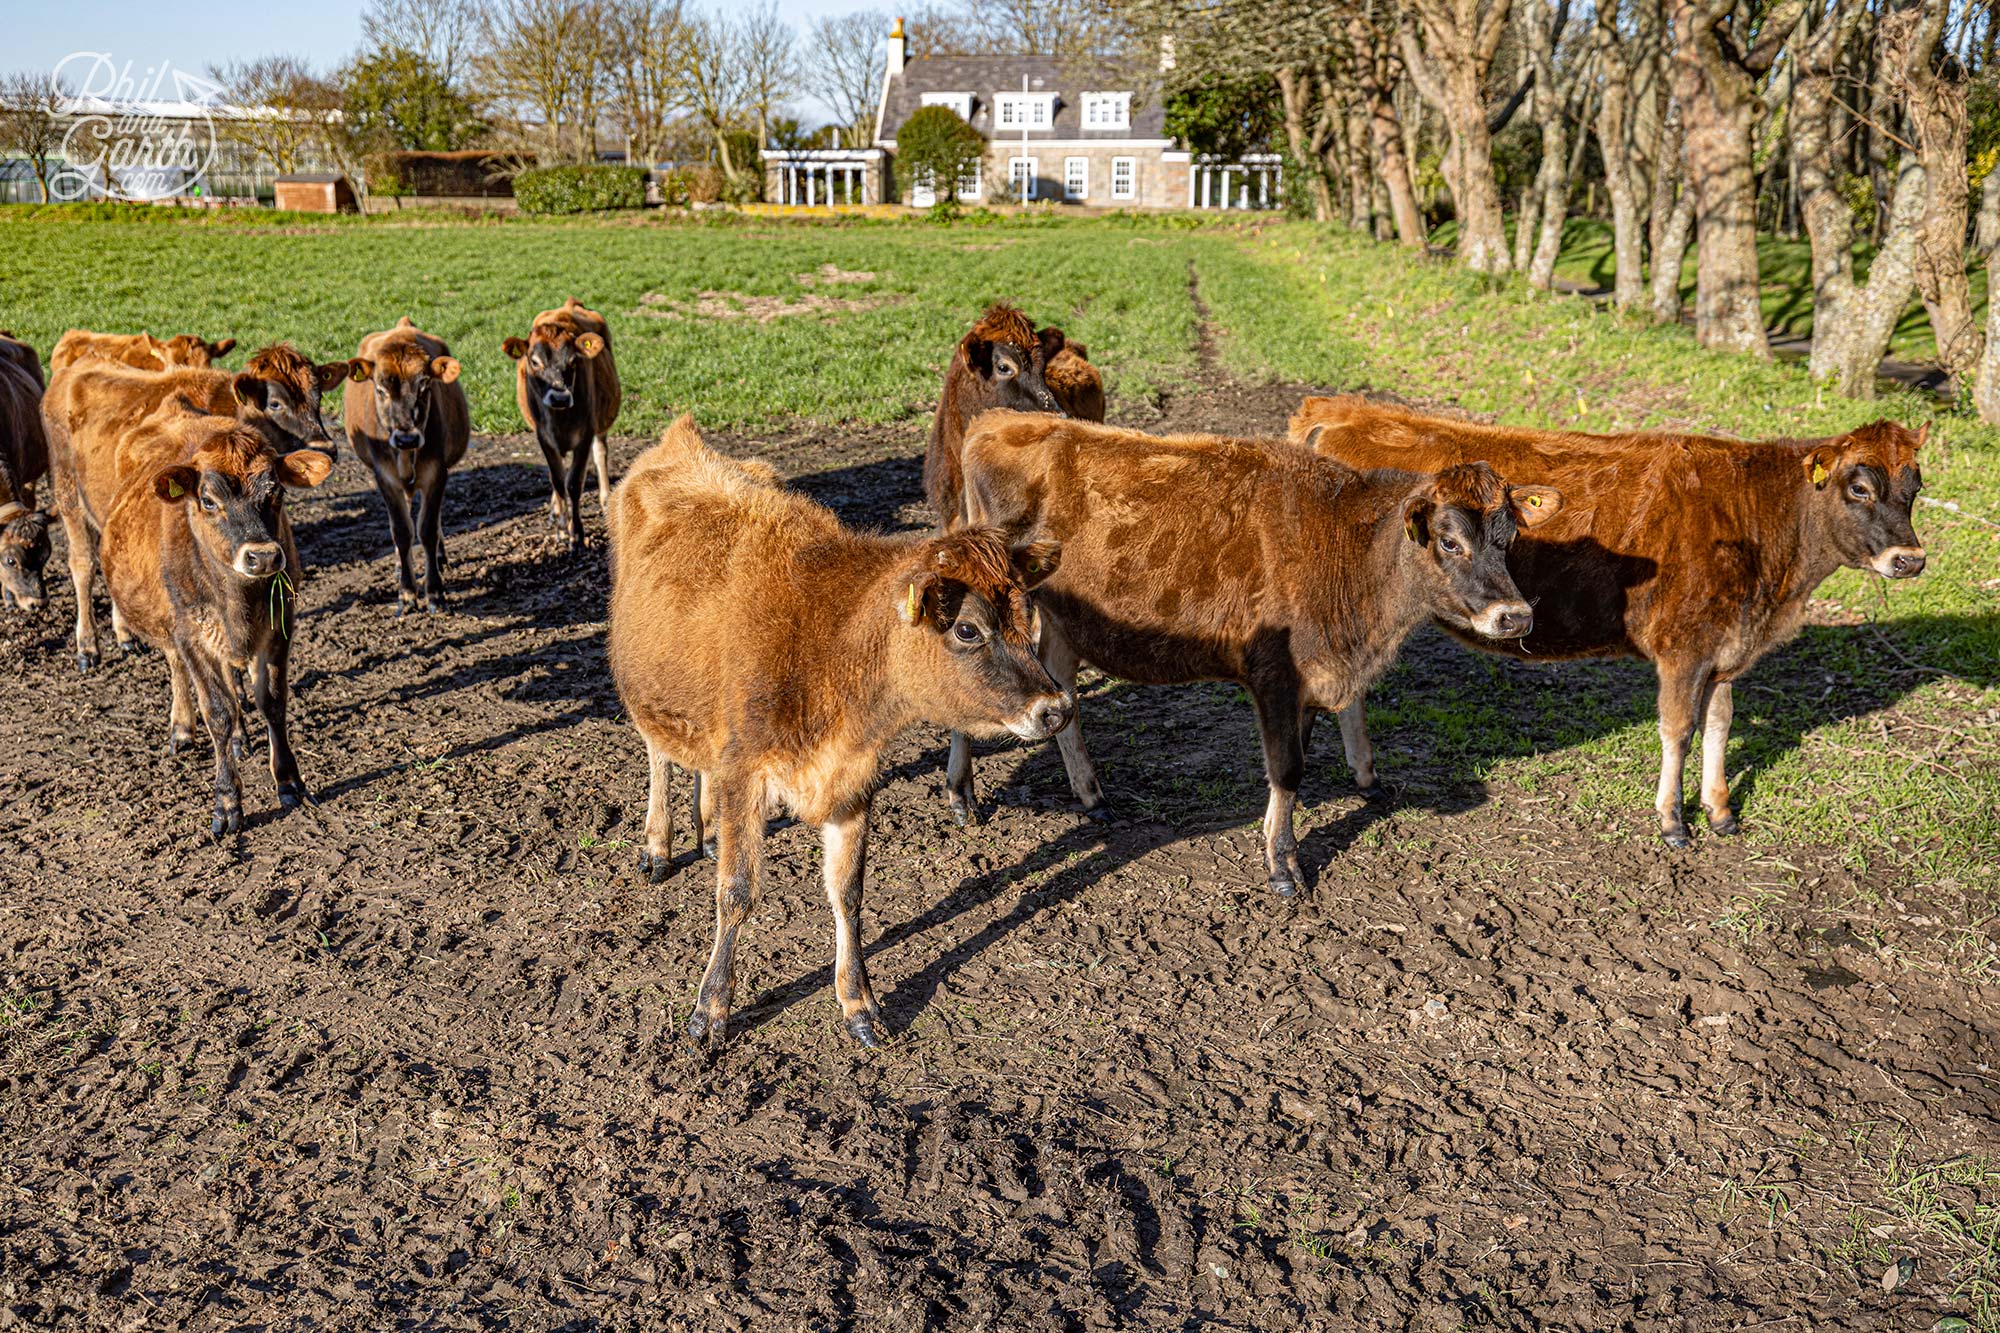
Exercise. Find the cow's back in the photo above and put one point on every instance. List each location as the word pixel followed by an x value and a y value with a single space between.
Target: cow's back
pixel 135 350
pixel 96 411
pixel 1076 383
pixel 14 350
pixel 24 449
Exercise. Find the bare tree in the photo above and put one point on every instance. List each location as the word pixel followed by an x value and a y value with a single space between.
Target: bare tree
pixel 715 77
pixel 1558 87
pixel 642 59
pixel 1671 225
pixel 444 32
pixel 1932 92
pixel 768 49
pixel 545 60
pixel 1309 128
pixel 1449 47
pixel 31 107
pixel 284 109
pixel 1627 130
pixel 843 56
pixel 1375 68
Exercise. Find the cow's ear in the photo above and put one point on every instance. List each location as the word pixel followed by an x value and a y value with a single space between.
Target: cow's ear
pixel 978 355
pixel 332 373
pixel 919 600
pixel 445 368
pixel 303 468
pixel 360 368
pixel 1923 433
pixel 1036 561
pixel 1311 441
pixel 1051 341
pixel 222 348
pixel 515 347
pixel 251 390
pixel 1819 466
pixel 1534 505
pixel 1417 519
pixel 589 344
pixel 176 483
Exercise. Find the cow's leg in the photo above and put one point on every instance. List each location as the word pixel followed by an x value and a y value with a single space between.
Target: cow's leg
pixel 579 462
pixel 739 866
pixel 1717 714
pixel 600 460
pixel 180 715
pixel 701 802
pixel 1279 722
pixel 121 633
pixel 1061 660
pixel 217 698
pixel 1360 754
pixel 1683 687
pixel 845 840
pixel 554 458
pixel 657 859
pixel 402 530
pixel 270 685
pixel 432 530
pixel 76 532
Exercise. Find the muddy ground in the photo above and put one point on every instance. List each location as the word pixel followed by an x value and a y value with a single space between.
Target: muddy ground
pixel 414 1057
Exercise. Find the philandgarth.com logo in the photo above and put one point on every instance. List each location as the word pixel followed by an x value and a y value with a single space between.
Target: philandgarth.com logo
pixel 133 137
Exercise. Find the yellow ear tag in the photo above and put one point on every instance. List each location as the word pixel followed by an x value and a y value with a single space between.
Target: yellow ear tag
pixel 910 606
pixel 1534 502
pixel 175 490
pixel 1410 528
pixel 1819 474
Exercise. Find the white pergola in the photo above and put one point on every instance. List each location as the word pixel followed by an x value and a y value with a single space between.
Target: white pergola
pixel 1209 184
pixel 825 177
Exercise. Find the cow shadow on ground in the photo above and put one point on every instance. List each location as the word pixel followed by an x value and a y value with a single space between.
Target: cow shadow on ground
pixel 883 493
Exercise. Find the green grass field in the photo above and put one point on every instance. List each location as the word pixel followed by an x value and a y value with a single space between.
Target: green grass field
pixel 762 322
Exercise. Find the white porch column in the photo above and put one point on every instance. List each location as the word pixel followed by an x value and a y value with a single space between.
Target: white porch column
pixel 1193 172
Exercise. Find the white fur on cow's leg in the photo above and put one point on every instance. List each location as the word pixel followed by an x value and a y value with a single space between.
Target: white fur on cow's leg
pixel 1720 712
pixel 739 869
pixel 181 710
pixel 600 461
pixel 845 842
pixel 958 780
pixel 656 861
pixel 121 633
pixel 1360 753
pixel 81 566
pixel 1683 691
pixel 1061 660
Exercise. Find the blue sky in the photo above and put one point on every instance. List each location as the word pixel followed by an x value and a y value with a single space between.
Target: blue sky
pixel 191 38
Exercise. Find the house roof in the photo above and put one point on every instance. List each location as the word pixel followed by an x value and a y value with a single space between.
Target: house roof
pixel 985 76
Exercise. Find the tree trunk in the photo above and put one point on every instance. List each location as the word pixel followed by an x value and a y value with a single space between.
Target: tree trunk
pixel 1986 390
pixel 1615 130
pixel 1717 96
pixel 1528 223
pixel 1936 109
pixel 1672 222
pixel 1449 67
pixel 1360 176
pixel 1293 96
pixel 1375 70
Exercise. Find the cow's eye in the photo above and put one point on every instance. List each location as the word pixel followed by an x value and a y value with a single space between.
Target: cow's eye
pixel 1004 371
pixel 1857 490
pixel 965 633
pixel 208 502
pixel 1449 545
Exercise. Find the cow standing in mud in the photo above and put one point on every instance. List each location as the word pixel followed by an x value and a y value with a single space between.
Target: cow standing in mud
pixel 24 458
pixel 408 421
pixel 97 413
pixel 1695 554
pixel 757 642
pixel 1003 362
pixel 199 558
pixel 1189 558
pixel 566 384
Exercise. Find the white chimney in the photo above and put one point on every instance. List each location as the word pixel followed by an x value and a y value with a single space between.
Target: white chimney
pixel 1167 53
pixel 896 49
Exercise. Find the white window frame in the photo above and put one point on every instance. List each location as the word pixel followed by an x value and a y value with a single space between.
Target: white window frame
pixel 922 195
pixel 1034 166
pixel 1131 167
pixel 969 194
pixel 958 102
pixel 1019 111
pixel 1107 111
pixel 1076 178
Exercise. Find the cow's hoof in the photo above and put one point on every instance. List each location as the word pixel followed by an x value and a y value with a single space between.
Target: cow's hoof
pixel 226 820
pixel 1101 813
pixel 964 811
pixel 1725 827
pixel 292 795
pixel 178 741
pixel 1677 838
pixel 655 869
pixel 862 1025
pixel 1374 791
pixel 707 1031
pixel 85 661
pixel 131 647
pixel 1284 885
pixel 708 852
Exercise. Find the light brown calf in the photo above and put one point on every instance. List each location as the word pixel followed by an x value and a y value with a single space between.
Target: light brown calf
pixel 141 351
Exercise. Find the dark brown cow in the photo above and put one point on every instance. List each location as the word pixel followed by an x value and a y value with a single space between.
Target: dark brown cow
pixel 759 643
pixel 566 385
pixel 1003 362
pixel 1693 553
pixel 199 558
pixel 408 421
pixel 95 410
pixel 141 351
pixel 24 457
pixel 1191 558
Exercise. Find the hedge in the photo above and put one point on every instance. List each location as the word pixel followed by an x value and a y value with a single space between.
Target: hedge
pixel 472 172
pixel 580 189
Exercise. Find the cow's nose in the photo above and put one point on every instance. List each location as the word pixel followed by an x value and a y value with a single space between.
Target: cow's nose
pixel 1907 564
pixel 405 439
pixel 259 561
pixel 557 398
pixel 1513 622
pixel 1052 714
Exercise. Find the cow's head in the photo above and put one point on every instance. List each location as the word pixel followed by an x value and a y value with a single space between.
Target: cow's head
pixel 1462 520
pixel 403 381
pixel 194 353
pixel 1010 360
pixel 966 653
pixel 24 551
pixel 286 388
pixel 233 490
pixel 551 356
pixel 1864 484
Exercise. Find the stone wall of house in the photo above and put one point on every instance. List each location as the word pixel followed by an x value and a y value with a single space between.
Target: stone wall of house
pixel 1158 181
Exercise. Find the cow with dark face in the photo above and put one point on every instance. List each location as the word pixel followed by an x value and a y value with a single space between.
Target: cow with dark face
pixel 408 420
pixel 24 457
pixel 566 385
pixel 1003 362
pixel 199 557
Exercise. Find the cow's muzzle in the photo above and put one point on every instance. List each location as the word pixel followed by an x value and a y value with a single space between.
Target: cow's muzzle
pixel 1505 620
pixel 259 561
pixel 406 439
pixel 1044 717
pixel 558 400
pixel 1899 562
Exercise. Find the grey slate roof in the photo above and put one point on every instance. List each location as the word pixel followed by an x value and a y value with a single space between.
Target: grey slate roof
pixel 984 76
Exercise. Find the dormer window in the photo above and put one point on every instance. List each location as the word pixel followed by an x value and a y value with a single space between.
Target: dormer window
pixel 1024 111
pixel 961 103
pixel 1107 111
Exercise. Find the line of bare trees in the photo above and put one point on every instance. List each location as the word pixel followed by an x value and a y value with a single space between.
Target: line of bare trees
pixel 1862 123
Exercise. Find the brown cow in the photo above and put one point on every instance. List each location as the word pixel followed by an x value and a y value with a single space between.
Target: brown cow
pixel 1191 558
pixel 24 457
pixel 1003 362
pixel 410 423
pixel 759 643
pixel 566 385
pixel 199 558
pixel 141 351
pixel 1693 553
pixel 95 409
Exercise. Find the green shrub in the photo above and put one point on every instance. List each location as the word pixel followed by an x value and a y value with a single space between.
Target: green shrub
pixel 935 145
pixel 580 189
